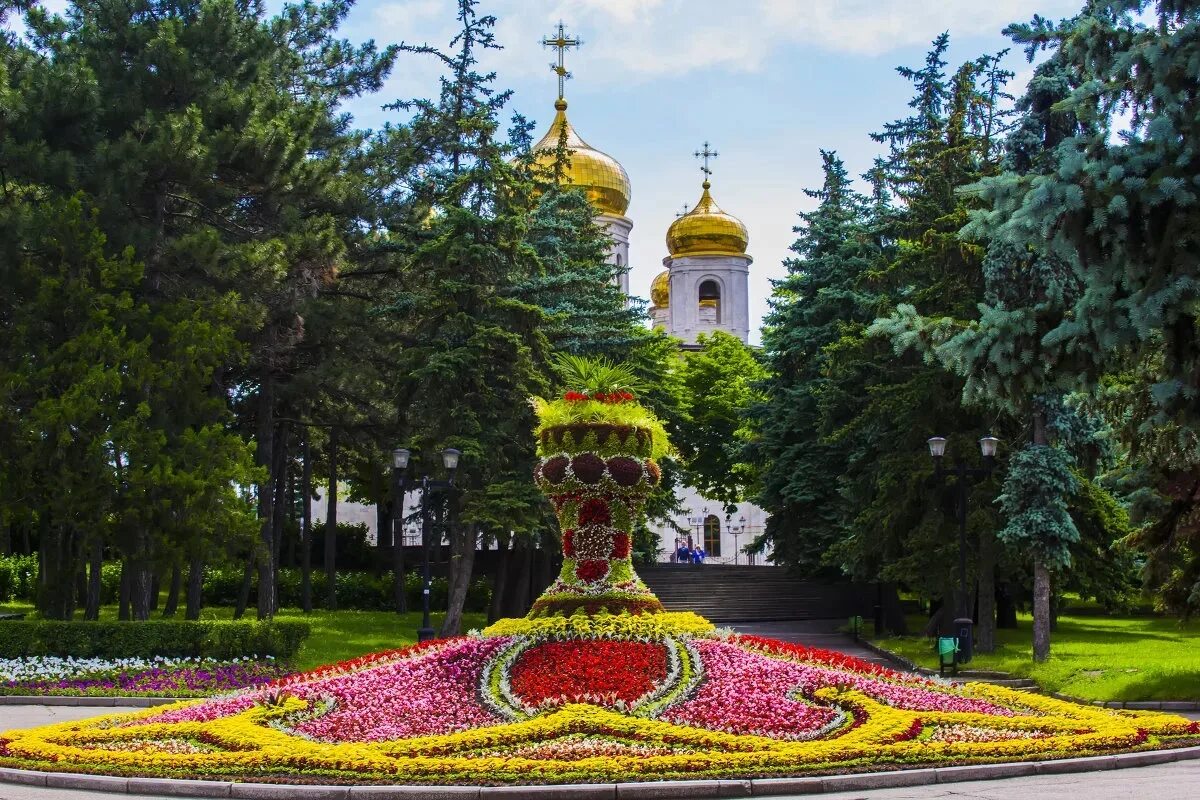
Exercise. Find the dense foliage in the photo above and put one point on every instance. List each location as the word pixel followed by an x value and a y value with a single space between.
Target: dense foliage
pixel 1023 267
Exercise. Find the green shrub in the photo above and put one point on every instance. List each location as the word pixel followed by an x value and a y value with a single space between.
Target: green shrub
pixel 203 639
pixel 18 576
pixel 356 590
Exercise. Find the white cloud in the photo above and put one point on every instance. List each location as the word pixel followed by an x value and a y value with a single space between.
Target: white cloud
pixel 635 40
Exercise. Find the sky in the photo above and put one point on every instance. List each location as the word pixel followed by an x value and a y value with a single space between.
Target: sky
pixel 767 82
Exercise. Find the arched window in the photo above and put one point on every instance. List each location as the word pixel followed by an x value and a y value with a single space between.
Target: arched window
pixel 712 535
pixel 710 302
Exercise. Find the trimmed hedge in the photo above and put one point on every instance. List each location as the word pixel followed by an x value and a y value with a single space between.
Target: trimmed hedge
pixel 356 590
pixel 198 639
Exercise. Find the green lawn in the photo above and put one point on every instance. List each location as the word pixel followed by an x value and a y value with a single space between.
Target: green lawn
pixel 336 635
pixel 1093 657
pixel 339 635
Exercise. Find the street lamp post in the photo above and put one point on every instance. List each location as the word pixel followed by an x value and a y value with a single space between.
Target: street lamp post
pixel 964 476
pixel 737 530
pixel 400 459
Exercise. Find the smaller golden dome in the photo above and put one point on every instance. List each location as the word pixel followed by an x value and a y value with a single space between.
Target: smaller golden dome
pixel 601 176
pixel 660 290
pixel 707 230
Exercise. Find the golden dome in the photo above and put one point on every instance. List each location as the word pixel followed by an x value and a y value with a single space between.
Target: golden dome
pixel 707 230
pixel 660 290
pixel 600 175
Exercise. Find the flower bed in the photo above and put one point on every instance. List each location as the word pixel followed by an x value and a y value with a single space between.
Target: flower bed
pixel 634 702
pixel 134 677
pixel 598 684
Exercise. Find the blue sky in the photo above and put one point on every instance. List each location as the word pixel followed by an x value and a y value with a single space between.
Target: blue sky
pixel 768 82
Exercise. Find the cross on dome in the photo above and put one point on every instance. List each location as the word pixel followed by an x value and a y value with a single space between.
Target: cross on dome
pixel 705 155
pixel 562 43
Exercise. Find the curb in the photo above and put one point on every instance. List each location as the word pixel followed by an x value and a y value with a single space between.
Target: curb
pixel 75 700
pixel 1134 705
pixel 660 790
pixel 897 659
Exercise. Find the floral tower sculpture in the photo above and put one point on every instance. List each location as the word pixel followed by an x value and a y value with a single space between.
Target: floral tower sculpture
pixel 598 448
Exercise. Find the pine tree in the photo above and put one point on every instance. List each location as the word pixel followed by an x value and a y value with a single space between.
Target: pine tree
pixel 475 345
pixel 879 409
pixel 809 309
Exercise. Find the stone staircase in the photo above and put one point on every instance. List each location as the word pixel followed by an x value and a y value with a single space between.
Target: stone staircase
pixel 728 593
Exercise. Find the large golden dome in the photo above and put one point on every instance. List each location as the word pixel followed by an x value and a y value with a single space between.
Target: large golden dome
pixel 707 230
pixel 600 175
pixel 660 290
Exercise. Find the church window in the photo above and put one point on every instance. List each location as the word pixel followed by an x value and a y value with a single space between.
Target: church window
pixel 710 302
pixel 712 536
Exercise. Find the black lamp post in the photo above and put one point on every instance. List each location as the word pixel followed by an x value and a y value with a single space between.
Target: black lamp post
pixel 964 477
pixel 737 530
pixel 400 458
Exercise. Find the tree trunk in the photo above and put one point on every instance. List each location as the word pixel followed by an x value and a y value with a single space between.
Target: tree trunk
pixel 95 570
pixel 1041 611
pixel 140 585
pixel 289 555
pixel 892 610
pixel 520 596
pixel 80 588
pixel 463 539
pixel 1041 573
pixel 195 590
pixel 123 592
pixel 173 591
pixel 985 628
pixel 331 524
pixel 155 589
pixel 277 514
pixel 244 591
pixel 56 572
pixel 503 546
pixel 1006 608
pixel 306 529
pixel 266 455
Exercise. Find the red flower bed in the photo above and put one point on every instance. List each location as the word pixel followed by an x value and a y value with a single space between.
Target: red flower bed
pixel 573 670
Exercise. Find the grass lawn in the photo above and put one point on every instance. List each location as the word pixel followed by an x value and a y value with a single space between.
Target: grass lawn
pixel 336 635
pixel 1093 657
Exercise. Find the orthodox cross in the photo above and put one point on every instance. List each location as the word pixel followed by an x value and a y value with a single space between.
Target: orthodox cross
pixel 685 212
pixel 562 43
pixel 705 155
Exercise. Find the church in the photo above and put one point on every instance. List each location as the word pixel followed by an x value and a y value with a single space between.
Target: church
pixel 703 288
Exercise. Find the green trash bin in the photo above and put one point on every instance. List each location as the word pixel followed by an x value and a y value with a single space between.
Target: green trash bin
pixel 947 647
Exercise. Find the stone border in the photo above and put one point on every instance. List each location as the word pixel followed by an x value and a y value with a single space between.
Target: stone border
pixel 1133 705
pixel 80 700
pixel 660 790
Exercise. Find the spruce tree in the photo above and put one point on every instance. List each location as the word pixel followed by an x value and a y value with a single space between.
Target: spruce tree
pixel 820 296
